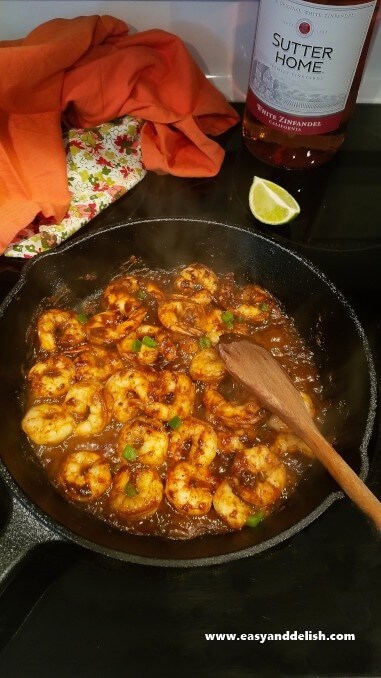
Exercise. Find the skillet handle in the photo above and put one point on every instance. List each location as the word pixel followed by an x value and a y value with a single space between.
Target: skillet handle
pixel 31 558
pixel 21 534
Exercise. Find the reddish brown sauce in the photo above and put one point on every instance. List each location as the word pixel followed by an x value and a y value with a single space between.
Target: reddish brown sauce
pixel 237 431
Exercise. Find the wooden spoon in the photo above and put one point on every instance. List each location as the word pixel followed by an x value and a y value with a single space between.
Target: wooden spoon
pixel 256 368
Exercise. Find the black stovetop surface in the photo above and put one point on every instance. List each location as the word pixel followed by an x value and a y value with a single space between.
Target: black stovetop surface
pixel 69 612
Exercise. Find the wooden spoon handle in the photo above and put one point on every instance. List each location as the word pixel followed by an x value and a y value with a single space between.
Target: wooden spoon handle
pixel 352 485
pixel 255 367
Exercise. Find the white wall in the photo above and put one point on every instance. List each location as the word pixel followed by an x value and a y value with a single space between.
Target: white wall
pixel 219 33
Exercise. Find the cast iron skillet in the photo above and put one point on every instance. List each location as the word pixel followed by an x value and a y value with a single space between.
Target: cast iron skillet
pixel 38 514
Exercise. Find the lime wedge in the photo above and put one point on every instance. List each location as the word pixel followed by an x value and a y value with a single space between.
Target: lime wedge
pixel 271 204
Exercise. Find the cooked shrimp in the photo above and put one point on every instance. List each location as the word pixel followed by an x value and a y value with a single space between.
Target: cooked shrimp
pixel 230 442
pixel 253 304
pixel 207 366
pixel 190 489
pixel 149 289
pixel 229 507
pixel 277 424
pixel 109 327
pixel 84 476
pixel 289 442
pixel 57 328
pixel 90 402
pixel 233 414
pixel 51 378
pixel 145 440
pixel 194 440
pixel 171 394
pixel 198 282
pixel 48 424
pixel 157 343
pixel 186 346
pixel 259 477
pixel 182 315
pixel 121 290
pixel 215 324
pixel 129 389
pixel 95 362
pixel 136 493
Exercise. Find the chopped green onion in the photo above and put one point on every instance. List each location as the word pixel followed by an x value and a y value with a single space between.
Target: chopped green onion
pixel 255 518
pixel 130 490
pixel 129 453
pixel 82 318
pixel 136 345
pixel 205 342
pixel 141 294
pixel 175 422
pixel 147 341
pixel 228 318
pixel 263 307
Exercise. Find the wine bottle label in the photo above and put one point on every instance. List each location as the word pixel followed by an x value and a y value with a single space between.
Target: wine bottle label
pixel 305 58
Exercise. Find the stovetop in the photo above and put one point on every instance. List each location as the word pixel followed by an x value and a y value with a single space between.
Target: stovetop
pixel 70 612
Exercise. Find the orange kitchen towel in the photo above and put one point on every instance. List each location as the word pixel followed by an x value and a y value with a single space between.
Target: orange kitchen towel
pixel 87 71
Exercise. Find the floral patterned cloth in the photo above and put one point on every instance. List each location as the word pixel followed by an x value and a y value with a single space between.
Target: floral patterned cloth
pixel 103 163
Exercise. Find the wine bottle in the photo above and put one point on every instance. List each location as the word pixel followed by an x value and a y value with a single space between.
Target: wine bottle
pixel 306 70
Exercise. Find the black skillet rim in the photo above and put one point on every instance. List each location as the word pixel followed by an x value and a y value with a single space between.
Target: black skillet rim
pixel 69 536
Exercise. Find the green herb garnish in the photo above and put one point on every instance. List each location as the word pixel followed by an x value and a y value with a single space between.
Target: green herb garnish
pixel 205 342
pixel 130 490
pixel 136 345
pixel 175 422
pixel 255 518
pixel 148 341
pixel 129 453
pixel 228 318
pixel 263 307
pixel 141 294
pixel 82 318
